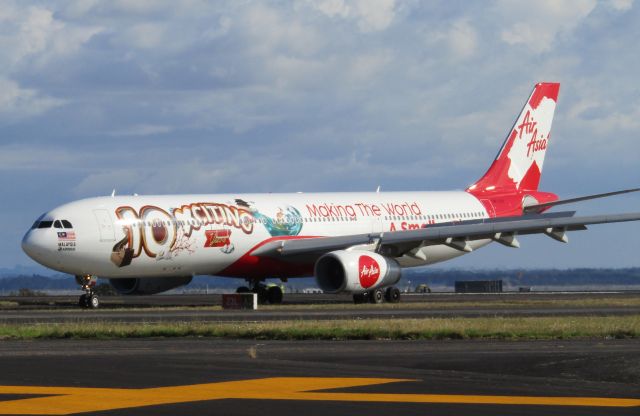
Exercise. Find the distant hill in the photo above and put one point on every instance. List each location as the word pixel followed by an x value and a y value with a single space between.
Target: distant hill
pixel 541 277
pixel 30 271
pixel 37 282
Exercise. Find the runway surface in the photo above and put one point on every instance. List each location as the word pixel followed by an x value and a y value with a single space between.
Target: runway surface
pixel 163 300
pixel 162 309
pixel 227 377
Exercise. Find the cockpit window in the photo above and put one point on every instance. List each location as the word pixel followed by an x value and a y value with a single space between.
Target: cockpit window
pixel 45 224
pixel 35 224
pixel 57 224
pixel 67 224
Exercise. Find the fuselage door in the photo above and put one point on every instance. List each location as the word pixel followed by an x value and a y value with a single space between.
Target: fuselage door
pixel 105 225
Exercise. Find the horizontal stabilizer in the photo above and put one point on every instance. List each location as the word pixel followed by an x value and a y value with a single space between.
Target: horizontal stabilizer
pixel 540 207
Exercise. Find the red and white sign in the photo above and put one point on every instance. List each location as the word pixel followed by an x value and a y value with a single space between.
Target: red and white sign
pixel 369 271
pixel 217 238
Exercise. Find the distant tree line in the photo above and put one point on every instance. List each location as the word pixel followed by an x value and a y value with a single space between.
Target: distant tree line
pixel 541 277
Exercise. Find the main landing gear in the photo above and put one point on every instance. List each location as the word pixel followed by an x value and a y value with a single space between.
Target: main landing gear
pixel 89 300
pixel 391 295
pixel 266 294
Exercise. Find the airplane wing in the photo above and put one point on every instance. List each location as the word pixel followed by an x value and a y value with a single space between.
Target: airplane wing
pixel 456 235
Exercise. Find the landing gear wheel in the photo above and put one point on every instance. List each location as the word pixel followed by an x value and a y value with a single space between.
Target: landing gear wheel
pixel 274 295
pixel 243 289
pixel 89 299
pixel 262 294
pixel 377 296
pixel 93 302
pixel 392 295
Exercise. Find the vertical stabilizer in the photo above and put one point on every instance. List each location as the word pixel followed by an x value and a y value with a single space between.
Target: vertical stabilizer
pixel 518 166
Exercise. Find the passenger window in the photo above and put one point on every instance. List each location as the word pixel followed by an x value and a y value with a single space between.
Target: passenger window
pixel 66 224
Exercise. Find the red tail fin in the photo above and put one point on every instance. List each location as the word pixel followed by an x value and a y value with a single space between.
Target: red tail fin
pixel 518 166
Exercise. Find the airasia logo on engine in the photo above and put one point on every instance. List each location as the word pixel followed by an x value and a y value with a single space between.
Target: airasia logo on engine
pixel 368 270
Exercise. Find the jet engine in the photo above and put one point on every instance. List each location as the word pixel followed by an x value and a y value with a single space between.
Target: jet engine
pixel 355 271
pixel 148 285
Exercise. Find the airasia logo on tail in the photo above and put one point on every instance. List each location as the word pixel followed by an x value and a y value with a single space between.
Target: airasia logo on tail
pixel 529 127
pixel 368 271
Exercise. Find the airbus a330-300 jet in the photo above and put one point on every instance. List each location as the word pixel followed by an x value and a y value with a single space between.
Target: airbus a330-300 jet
pixel 354 243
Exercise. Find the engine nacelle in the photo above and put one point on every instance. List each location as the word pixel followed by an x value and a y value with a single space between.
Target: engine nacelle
pixel 148 285
pixel 355 271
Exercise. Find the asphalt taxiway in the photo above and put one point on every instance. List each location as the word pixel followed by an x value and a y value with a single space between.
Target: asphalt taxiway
pixel 180 308
pixel 240 377
pixel 209 376
pixel 195 300
pixel 360 312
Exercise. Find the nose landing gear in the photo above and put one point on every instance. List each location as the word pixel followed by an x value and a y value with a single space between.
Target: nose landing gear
pixel 89 300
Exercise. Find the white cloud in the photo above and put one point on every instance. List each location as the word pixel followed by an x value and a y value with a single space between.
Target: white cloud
pixel 463 39
pixel 142 130
pixel 374 15
pixel 32 38
pixel 369 15
pixel 621 5
pixel 18 157
pixel 365 67
pixel 79 8
pixel 272 33
pixel 146 35
pixel 143 7
pixel 537 26
pixel 18 103
pixel 174 176
pixel 221 29
pixel 332 8
pixel 37 34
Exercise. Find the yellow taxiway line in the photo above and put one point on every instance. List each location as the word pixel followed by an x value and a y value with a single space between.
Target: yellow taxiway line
pixel 70 400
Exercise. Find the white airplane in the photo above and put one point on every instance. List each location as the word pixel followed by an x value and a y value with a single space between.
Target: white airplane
pixel 356 243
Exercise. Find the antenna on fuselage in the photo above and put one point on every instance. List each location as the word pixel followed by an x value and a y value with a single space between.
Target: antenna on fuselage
pixel 113 193
pixel 378 189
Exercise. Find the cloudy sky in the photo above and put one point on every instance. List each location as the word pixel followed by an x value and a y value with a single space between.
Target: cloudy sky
pixel 239 96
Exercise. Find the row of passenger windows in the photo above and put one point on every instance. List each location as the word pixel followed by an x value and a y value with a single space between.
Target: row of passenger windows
pixel 434 217
pixel 55 224
pixel 465 215
pixel 456 216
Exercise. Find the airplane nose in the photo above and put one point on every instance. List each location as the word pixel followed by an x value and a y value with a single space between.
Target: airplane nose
pixel 33 246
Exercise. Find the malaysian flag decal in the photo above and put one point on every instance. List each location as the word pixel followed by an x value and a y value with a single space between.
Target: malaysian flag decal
pixel 66 235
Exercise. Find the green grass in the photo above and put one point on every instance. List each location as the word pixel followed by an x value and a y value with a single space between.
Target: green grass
pixel 506 302
pixel 431 328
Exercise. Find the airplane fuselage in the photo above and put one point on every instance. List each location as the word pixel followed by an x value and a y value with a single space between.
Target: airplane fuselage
pixel 179 235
